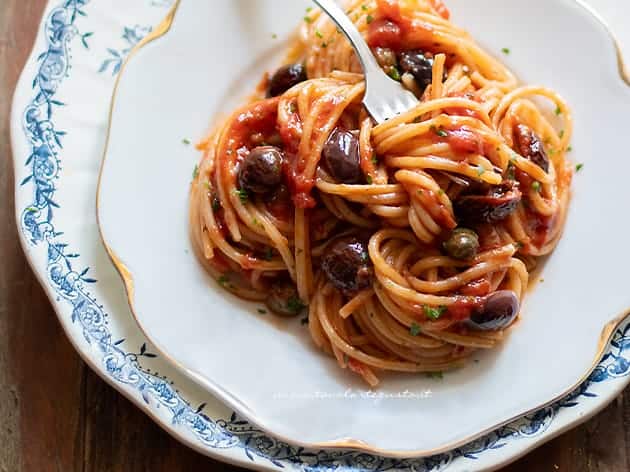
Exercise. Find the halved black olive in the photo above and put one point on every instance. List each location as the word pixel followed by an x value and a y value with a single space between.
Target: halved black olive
pixel 492 206
pixel 285 78
pixel 419 64
pixel 529 145
pixel 347 265
pixel 498 311
pixel 284 299
pixel 261 171
pixel 342 158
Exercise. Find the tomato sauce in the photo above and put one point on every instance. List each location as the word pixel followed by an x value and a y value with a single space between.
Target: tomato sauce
pixel 437 209
pixel 476 288
pixel 465 141
pixel 395 30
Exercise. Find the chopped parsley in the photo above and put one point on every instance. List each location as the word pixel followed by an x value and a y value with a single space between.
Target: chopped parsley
pixel 579 167
pixel 369 19
pixel 434 313
pixel 368 179
pixel 519 244
pixel 243 195
pixel 415 329
pixel 292 107
pixel 274 36
pixel 364 7
pixel 536 186
pixel 394 73
pixel 561 134
pixel 295 305
pixel 223 281
pixel 309 9
pixel 570 148
pixel 186 141
pixel 262 311
pixel 195 173
pixel 435 375
pixel 439 131
pixel 365 256
pixel 319 34
pixel 308 19
pixel 505 50
pixel 558 111
pixel 374 159
pixel 441 192
pixel 324 44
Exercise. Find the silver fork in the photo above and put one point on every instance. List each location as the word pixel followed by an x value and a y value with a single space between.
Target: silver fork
pixel 384 97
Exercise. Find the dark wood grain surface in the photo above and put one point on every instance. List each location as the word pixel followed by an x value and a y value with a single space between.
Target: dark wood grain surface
pixel 56 415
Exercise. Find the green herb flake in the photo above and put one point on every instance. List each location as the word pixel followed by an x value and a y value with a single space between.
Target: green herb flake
pixel 570 148
pixel 561 134
pixel 243 195
pixel 374 159
pixel 558 111
pixel 435 375
pixel 579 167
pixel 365 256
pixel 519 244
pixel 262 311
pixel 186 141
pixel 319 34
pixel 439 131
pixel 505 51
pixel 394 73
pixel 274 36
pixel 295 305
pixel 308 19
pixel 481 170
pixel 536 186
pixel 415 329
pixel 309 9
pixel 434 313
pixel 369 19
pixel 441 193
pixel 195 173
pixel 292 107
pixel 369 180
pixel 324 45
pixel 364 7
pixel 223 281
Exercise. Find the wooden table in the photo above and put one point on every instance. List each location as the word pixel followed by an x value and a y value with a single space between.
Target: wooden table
pixel 55 414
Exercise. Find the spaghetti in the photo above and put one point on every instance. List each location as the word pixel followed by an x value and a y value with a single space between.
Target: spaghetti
pixel 410 242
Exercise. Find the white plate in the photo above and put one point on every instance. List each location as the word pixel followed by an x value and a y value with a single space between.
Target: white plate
pixel 269 370
pixel 55 210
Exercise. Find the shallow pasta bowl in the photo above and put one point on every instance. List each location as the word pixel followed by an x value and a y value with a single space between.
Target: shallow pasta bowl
pixel 267 369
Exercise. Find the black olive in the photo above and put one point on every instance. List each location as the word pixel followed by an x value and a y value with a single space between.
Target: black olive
pixel 342 157
pixel 261 171
pixel 528 145
pixel 347 265
pixel 497 311
pixel 285 78
pixel 495 205
pixel 418 64
pixel 284 299
pixel 462 244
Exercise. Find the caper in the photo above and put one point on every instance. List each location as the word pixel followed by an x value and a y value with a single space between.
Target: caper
pixel 462 244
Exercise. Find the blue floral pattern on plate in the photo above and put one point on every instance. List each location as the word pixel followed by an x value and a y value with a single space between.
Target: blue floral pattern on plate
pixel 69 282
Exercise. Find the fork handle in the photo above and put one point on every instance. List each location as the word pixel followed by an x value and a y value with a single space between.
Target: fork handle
pixel 336 13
